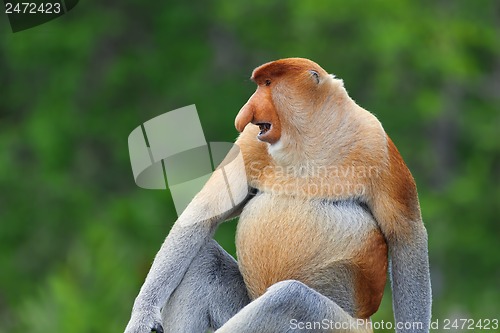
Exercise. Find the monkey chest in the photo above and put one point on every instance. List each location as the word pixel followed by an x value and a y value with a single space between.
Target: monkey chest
pixel 317 242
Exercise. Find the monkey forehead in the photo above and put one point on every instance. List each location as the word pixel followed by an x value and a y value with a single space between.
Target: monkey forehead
pixel 282 67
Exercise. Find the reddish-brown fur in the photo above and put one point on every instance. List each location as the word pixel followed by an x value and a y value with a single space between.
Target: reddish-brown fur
pixel 320 124
pixel 371 275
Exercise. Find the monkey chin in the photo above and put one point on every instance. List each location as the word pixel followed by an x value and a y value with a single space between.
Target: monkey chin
pixel 276 149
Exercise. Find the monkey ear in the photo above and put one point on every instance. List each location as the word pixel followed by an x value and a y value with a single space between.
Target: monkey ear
pixel 315 75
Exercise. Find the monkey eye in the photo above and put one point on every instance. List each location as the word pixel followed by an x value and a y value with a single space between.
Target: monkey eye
pixel 268 82
pixel 315 75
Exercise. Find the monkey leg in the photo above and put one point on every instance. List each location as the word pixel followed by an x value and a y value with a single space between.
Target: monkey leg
pixel 291 306
pixel 211 292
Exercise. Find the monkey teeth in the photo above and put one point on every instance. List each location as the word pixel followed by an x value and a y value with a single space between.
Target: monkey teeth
pixel 264 128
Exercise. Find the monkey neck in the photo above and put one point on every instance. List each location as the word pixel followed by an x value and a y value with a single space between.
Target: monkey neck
pixel 328 137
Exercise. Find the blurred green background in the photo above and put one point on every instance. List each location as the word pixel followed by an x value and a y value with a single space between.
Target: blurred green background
pixel 77 236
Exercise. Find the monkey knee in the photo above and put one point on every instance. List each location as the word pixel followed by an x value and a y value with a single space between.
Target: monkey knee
pixel 286 294
pixel 292 296
pixel 287 287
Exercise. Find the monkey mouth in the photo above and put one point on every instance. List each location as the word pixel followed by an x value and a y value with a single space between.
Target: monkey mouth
pixel 264 128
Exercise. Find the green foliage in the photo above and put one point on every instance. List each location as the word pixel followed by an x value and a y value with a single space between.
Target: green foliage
pixel 77 236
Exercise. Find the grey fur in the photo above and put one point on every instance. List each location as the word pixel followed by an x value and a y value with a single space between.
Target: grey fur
pixel 410 281
pixel 212 295
pixel 171 263
pixel 194 285
pixel 211 292
pixel 201 288
pixel 284 307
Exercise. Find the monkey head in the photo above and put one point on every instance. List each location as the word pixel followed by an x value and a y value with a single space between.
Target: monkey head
pixel 289 94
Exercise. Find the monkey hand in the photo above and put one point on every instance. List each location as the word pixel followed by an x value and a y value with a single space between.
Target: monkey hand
pixel 145 321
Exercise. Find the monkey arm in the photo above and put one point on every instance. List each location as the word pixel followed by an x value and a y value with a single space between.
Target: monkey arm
pixel 396 209
pixel 410 279
pixel 408 265
pixel 223 195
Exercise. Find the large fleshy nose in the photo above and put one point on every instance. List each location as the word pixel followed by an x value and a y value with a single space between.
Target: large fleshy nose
pixel 259 110
pixel 245 116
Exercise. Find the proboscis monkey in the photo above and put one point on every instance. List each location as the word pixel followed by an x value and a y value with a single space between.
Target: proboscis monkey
pixel 325 204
